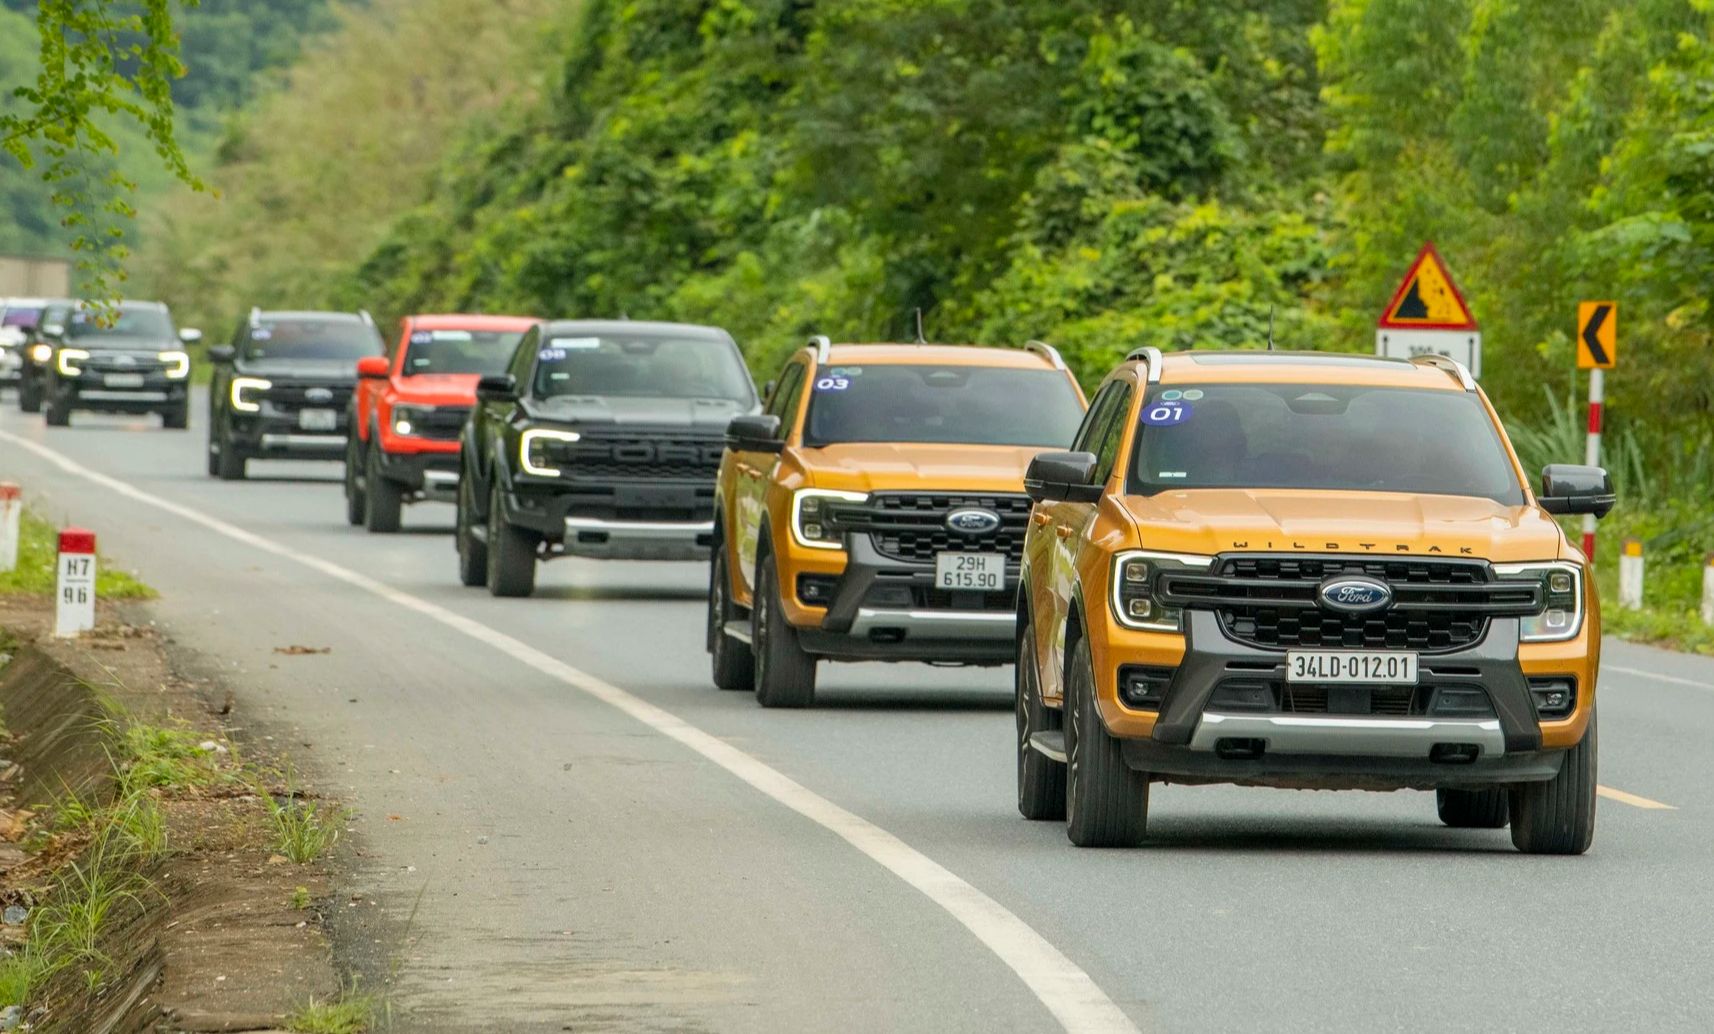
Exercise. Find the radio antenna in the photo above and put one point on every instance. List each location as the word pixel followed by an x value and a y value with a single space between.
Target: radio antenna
pixel 920 339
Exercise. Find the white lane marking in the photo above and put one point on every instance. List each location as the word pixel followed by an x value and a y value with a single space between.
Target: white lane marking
pixel 1657 676
pixel 1632 799
pixel 1068 992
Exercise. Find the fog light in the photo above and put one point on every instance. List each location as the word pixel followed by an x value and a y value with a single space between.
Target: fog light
pixel 817 590
pixel 1554 697
pixel 1143 688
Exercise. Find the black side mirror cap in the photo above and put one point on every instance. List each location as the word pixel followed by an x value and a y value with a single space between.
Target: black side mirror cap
pixel 1063 476
pixel 754 432
pixel 1569 488
pixel 221 353
pixel 497 387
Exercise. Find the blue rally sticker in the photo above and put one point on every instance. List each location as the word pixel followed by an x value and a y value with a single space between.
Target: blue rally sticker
pixel 1166 414
pixel 422 337
pixel 548 355
pixel 833 384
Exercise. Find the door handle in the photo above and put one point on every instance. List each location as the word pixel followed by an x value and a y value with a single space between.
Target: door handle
pixel 1064 531
pixel 1041 519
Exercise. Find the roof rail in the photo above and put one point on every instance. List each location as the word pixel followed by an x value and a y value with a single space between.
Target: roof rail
pixel 821 345
pixel 364 315
pixel 255 315
pixel 1046 351
pixel 1150 356
pixel 1450 365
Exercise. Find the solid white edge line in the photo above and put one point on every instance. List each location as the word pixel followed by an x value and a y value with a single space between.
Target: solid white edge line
pixel 1657 676
pixel 1069 993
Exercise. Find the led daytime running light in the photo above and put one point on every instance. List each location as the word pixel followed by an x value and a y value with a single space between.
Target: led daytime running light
pixel 535 434
pixel 68 360
pixel 178 367
pixel 1561 618
pixel 806 510
pixel 240 385
pixel 1132 591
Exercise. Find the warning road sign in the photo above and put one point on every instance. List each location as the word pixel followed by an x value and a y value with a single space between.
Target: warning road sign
pixel 1597 335
pixel 1428 299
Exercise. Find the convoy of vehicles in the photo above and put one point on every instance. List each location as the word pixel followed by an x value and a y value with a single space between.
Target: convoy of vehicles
pixel 1299 570
pixel 410 409
pixel 600 439
pixel 875 510
pixel 282 389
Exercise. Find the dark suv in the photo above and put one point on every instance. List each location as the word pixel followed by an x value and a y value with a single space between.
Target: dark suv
pixel 282 389
pixel 127 359
pixel 602 440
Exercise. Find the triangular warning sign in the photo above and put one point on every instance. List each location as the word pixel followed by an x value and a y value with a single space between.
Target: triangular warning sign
pixel 1428 299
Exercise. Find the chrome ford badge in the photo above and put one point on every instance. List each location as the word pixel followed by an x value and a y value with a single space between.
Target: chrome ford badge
pixel 973 521
pixel 318 395
pixel 1355 595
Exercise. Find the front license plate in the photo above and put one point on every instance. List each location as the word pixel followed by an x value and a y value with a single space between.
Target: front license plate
pixel 1390 667
pixel 123 380
pixel 318 419
pixel 975 572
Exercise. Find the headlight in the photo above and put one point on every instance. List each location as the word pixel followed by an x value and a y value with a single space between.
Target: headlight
pixel 41 352
pixel 1561 617
pixel 178 364
pixel 1134 602
pixel 811 523
pixel 68 360
pixel 406 418
pixel 242 385
pixel 532 450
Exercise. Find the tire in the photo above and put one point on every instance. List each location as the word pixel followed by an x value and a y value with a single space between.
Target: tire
pixel 1106 803
pixel 383 497
pixel 29 396
pixel 1558 816
pixel 57 413
pixel 356 509
pixel 472 552
pixel 1041 779
pixel 176 418
pixel 785 675
pixel 229 464
pixel 734 666
pixel 511 553
pixel 1473 809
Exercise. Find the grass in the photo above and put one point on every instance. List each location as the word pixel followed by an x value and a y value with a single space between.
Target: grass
pixel 302 830
pixel 300 899
pixel 38 550
pixel 153 756
pixel 352 1013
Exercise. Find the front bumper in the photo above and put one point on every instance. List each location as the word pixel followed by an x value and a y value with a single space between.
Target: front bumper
pixel 11 366
pixel 603 539
pixel 280 435
pixel 433 475
pixel 880 610
pixel 92 393
pixel 619 521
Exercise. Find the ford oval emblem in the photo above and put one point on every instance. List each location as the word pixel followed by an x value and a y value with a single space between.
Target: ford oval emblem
pixel 1356 595
pixel 973 521
pixel 318 395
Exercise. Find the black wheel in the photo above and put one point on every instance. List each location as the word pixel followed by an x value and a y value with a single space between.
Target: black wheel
pixel 230 464
pixel 176 418
pixel 511 552
pixel 1558 816
pixel 213 456
pixel 57 413
pixel 472 551
pixel 733 663
pixel 29 395
pixel 383 497
pixel 1472 809
pixel 785 675
pixel 1106 803
pixel 1041 779
pixel 355 508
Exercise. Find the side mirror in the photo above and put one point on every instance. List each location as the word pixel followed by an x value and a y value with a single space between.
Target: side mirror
pixel 1568 488
pixel 768 389
pixel 754 432
pixel 1067 476
pixel 221 353
pixel 375 367
pixel 190 335
pixel 495 387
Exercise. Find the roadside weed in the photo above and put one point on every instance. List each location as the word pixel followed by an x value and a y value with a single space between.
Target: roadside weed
pixel 38 555
pixel 300 899
pixel 301 827
pixel 138 823
pixel 351 1014
pixel 20 973
pixel 152 755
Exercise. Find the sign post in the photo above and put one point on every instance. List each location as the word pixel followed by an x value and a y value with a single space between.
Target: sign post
pixel 11 513
pixel 1427 316
pixel 1597 352
pixel 74 597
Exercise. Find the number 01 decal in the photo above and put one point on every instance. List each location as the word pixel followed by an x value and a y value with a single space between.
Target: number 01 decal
pixel 1166 414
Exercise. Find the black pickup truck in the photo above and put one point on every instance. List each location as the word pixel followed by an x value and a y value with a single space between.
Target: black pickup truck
pixel 127 358
pixel 602 439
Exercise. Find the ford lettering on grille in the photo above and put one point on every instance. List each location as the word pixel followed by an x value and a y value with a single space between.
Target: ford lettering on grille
pixel 1356 595
pixel 973 521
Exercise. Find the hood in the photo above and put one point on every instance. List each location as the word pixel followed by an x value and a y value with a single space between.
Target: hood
pixel 1219 520
pixel 150 345
pixel 343 371
pixel 436 389
pixel 885 467
pixel 705 415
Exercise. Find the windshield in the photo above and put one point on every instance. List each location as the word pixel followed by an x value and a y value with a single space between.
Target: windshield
pixel 20 316
pixel 1321 436
pixel 641 365
pixel 962 405
pixel 459 351
pixel 128 323
pixel 310 337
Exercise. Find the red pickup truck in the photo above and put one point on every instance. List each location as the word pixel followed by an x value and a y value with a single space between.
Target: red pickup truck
pixel 410 407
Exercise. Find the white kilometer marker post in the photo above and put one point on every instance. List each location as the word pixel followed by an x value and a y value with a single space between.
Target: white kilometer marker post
pixel 74 600
pixel 11 511
pixel 1631 575
pixel 1708 589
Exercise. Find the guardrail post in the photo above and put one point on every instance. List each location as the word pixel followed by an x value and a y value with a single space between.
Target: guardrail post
pixel 1708 589
pixel 1631 575
pixel 11 512
pixel 74 596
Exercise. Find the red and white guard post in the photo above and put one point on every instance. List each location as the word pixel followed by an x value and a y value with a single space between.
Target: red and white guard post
pixel 1597 352
pixel 11 513
pixel 74 595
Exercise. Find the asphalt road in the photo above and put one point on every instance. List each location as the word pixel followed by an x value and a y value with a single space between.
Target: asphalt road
pixel 546 855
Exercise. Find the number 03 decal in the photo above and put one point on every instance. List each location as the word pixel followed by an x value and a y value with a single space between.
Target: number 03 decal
pixel 832 384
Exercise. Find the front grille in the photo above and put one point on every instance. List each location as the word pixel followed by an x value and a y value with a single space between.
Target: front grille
pixel 441 424
pixel 638 457
pixel 109 362
pixel 291 398
pixel 912 527
pixel 1271 601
